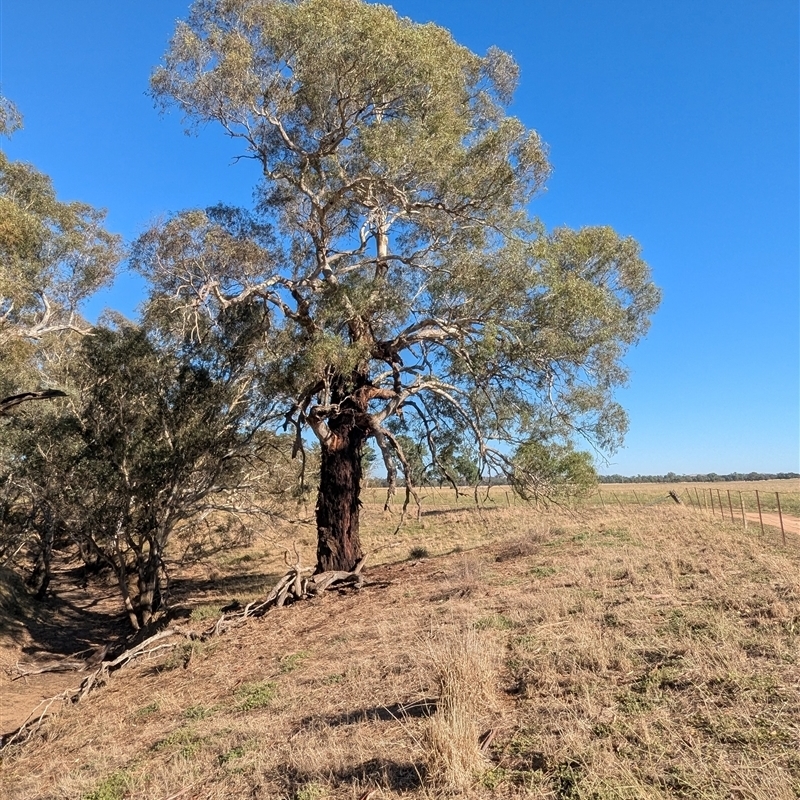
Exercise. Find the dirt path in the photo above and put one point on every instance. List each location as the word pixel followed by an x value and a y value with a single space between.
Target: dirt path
pixel 72 620
pixel 791 525
pixel 771 518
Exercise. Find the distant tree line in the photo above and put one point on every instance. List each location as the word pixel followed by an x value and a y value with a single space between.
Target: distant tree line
pixel 710 477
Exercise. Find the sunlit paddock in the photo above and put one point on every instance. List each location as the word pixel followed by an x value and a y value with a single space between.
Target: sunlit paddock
pixel 609 653
pixel 607 495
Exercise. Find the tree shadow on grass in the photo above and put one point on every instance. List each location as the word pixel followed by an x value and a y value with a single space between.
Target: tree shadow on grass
pixel 186 590
pixel 394 775
pixel 443 512
pixel 69 620
pixel 425 707
pixel 390 775
pixel 82 612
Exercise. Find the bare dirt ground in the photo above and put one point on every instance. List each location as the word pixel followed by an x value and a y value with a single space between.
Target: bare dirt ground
pixel 771 519
pixel 74 619
pixel 81 614
pixel 790 524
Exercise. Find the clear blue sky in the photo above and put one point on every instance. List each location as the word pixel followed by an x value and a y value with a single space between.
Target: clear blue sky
pixel 674 121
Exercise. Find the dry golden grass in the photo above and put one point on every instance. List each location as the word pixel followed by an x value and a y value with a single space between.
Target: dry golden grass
pixel 464 669
pixel 729 493
pixel 608 495
pixel 628 653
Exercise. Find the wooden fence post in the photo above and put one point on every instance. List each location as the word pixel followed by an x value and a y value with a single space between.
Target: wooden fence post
pixel 618 500
pixel 730 503
pixel 780 516
pixel 699 504
pixel 741 505
pixel 711 498
pixel 760 517
pixel 721 509
pixel 602 502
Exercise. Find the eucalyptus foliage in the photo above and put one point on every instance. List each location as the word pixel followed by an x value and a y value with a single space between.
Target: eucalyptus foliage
pixel 53 255
pixel 402 286
pixel 155 438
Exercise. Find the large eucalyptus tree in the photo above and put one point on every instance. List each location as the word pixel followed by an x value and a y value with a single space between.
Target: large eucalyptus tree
pixel 400 282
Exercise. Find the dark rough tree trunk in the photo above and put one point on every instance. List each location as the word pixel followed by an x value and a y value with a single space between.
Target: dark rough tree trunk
pixel 338 499
pixel 41 577
pixel 149 586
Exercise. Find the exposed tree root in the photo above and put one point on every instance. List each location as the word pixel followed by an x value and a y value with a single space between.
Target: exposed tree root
pixel 299 583
pixel 77 662
pixel 92 681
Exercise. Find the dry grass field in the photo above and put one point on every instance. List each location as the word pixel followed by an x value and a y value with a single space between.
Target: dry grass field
pixel 645 651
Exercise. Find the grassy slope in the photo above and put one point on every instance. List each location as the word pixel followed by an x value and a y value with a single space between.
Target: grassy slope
pixel 630 653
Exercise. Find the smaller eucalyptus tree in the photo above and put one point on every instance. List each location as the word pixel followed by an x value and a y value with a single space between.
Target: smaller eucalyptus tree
pixel 153 438
pixel 53 254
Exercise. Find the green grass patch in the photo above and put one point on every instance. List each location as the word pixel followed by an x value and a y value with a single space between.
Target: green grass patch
pixel 180 656
pixel 145 712
pixel 114 787
pixel 231 755
pixel 203 613
pixel 310 791
pixel 251 696
pixel 194 713
pixel 291 662
pixel 542 571
pixel 498 622
pixel 527 642
pixel 183 741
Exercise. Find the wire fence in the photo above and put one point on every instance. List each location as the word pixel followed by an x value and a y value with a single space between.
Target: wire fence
pixel 736 506
pixel 742 506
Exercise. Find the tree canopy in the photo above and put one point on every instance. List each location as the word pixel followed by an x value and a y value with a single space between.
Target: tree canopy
pixel 400 282
pixel 155 433
pixel 53 255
